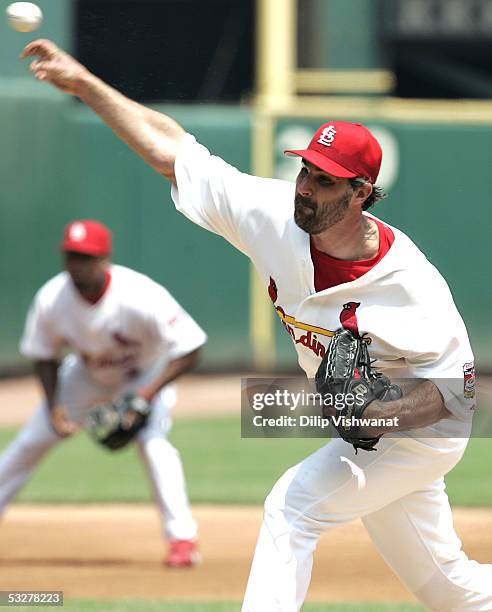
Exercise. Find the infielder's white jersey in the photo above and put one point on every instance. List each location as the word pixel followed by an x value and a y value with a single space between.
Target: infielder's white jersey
pixel 402 303
pixel 133 325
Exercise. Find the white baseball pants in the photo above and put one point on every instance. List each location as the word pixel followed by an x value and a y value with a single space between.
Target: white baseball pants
pixel 77 392
pixel 399 493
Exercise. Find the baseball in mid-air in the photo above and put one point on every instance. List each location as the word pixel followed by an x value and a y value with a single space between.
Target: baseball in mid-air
pixel 24 16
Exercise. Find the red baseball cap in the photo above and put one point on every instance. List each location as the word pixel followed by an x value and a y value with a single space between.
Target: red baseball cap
pixel 86 236
pixel 345 150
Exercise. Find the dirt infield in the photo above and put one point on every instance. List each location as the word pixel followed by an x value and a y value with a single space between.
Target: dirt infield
pixel 115 551
pixel 198 395
pixel 108 552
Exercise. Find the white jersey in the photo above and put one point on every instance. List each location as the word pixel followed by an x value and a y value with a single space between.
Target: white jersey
pixel 134 325
pixel 402 303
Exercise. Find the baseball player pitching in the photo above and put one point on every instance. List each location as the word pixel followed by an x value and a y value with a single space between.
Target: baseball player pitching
pixel 129 339
pixel 332 271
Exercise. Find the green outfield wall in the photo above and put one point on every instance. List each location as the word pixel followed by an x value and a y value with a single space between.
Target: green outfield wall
pixel 350 37
pixel 59 162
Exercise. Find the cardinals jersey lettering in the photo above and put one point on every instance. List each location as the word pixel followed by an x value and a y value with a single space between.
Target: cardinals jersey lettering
pixel 135 323
pixel 402 303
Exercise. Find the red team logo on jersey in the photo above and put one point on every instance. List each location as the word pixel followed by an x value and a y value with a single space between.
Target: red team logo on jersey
pixel 309 339
pixel 348 317
pixel 272 290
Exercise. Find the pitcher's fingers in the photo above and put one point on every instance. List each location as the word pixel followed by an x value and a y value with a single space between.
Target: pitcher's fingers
pixel 38 65
pixel 42 47
pixel 35 65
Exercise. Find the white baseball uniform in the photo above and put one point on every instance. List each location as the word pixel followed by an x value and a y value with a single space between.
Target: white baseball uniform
pixel 119 344
pixel 406 308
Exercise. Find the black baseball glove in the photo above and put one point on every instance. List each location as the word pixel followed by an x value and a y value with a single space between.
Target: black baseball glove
pixel 346 375
pixel 116 423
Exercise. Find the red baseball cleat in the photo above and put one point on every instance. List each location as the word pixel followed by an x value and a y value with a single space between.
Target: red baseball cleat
pixel 182 553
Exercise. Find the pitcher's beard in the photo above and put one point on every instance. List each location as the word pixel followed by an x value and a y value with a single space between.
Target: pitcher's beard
pixel 316 219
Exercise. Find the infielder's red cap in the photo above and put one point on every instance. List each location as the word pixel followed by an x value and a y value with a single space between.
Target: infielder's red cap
pixel 86 236
pixel 344 149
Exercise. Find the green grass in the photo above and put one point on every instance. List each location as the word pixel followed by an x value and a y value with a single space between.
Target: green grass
pixel 470 482
pixel 220 466
pixel 161 606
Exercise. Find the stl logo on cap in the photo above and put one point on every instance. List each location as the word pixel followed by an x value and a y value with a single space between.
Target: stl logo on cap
pixel 77 232
pixel 327 136
pixel 343 149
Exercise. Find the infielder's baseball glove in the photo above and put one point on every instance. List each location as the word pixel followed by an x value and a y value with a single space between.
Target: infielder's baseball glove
pixel 116 423
pixel 346 374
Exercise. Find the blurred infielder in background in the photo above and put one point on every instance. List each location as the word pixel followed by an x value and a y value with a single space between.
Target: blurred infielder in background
pixel 126 335
pixel 327 263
